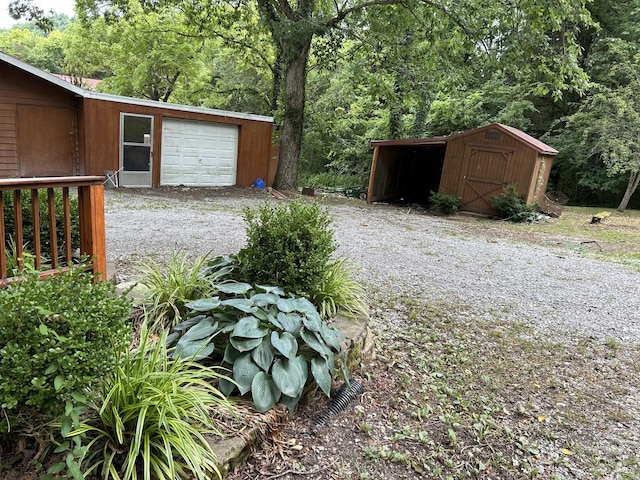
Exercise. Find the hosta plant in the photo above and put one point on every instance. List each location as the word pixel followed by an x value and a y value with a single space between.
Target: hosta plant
pixel 273 345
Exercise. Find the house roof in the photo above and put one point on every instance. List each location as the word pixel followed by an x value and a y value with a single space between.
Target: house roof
pixel 81 92
pixel 534 143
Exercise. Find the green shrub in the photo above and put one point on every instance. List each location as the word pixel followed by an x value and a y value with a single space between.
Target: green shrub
pixel 512 206
pixel 27 219
pixel 289 245
pixel 152 416
pixel 56 338
pixel 275 346
pixel 445 203
pixel 334 180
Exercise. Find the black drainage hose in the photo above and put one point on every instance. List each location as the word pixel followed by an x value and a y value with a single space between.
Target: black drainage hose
pixel 345 394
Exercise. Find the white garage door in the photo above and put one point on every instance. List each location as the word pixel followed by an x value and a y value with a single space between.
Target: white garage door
pixel 198 153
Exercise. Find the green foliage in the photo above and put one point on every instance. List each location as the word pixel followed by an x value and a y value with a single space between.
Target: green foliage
pixel 57 337
pixel 511 205
pixel 338 292
pixel 152 416
pixel 445 203
pixel 289 245
pixel 170 287
pixel 27 220
pixel 333 180
pixel 271 343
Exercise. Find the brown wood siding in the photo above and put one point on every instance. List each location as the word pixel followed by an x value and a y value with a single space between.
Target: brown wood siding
pixel 505 160
pixel 102 141
pixel 8 142
pixel 21 91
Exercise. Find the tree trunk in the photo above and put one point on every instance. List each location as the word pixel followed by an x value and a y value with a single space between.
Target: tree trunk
pixel 632 185
pixel 294 61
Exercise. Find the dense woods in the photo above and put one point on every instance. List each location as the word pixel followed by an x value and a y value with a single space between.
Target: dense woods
pixel 338 75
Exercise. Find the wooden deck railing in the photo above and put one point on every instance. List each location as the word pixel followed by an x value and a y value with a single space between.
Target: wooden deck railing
pixel 90 219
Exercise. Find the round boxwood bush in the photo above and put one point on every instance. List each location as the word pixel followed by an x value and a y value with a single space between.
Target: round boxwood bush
pixel 57 338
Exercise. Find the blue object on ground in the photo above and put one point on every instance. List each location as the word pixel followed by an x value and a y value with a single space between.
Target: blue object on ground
pixel 259 183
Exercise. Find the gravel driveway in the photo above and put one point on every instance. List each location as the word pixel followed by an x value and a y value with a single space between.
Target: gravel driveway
pixel 399 251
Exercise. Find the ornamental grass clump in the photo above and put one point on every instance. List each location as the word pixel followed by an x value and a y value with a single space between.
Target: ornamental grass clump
pixel 152 416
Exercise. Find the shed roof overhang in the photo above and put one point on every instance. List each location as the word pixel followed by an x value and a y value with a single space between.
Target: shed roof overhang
pixel 80 92
pixel 411 142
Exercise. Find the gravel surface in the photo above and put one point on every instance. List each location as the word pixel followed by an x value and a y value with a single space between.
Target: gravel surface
pixel 399 250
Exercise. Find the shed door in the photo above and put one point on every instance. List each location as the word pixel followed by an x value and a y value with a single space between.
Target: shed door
pixel 198 153
pixel 485 172
pixel 46 141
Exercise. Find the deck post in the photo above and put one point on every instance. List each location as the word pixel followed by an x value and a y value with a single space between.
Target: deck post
pixel 92 229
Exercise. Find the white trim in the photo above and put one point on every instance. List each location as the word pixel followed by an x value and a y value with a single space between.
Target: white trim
pixel 123 173
pixel 127 100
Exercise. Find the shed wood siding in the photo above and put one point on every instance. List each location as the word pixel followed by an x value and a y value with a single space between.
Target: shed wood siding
pixel 102 126
pixel 23 128
pixel 479 165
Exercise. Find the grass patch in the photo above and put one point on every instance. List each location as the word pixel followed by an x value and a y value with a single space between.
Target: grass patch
pixel 493 399
pixel 616 237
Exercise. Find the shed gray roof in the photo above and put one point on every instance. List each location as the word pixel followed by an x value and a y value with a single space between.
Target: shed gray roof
pixel 81 92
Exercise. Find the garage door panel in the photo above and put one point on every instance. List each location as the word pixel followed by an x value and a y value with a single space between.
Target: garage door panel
pixel 198 153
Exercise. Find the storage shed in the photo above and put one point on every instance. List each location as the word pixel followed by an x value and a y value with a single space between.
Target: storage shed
pixel 475 165
pixel 49 127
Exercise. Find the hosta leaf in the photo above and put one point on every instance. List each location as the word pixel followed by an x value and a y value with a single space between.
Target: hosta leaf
pixel 285 343
pixel 193 350
pixel 286 305
pixel 204 304
pixel 264 299
pixel 230 354
pixel 234 288
pixel 291 322
pixel 270 289
pixel 261 315
pixel 249 327
pixel 274 321
pixel 290 375
pixel 205 328
pixel 243 372
pixel 263 355
pixel 244 344
pixel 226 387
pixel 311 339
pixel 290 402
pixel 303 305
pixel 190 322
pixel 321 374
pixel 331 336
pixel 264 392
pixel 242 304
pixel 312 324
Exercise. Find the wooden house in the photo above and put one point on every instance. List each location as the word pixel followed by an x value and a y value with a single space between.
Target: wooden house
pixel 49 127
pixel 475 165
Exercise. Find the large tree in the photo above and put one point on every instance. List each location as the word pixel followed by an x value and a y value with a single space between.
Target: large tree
pixel 532 41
